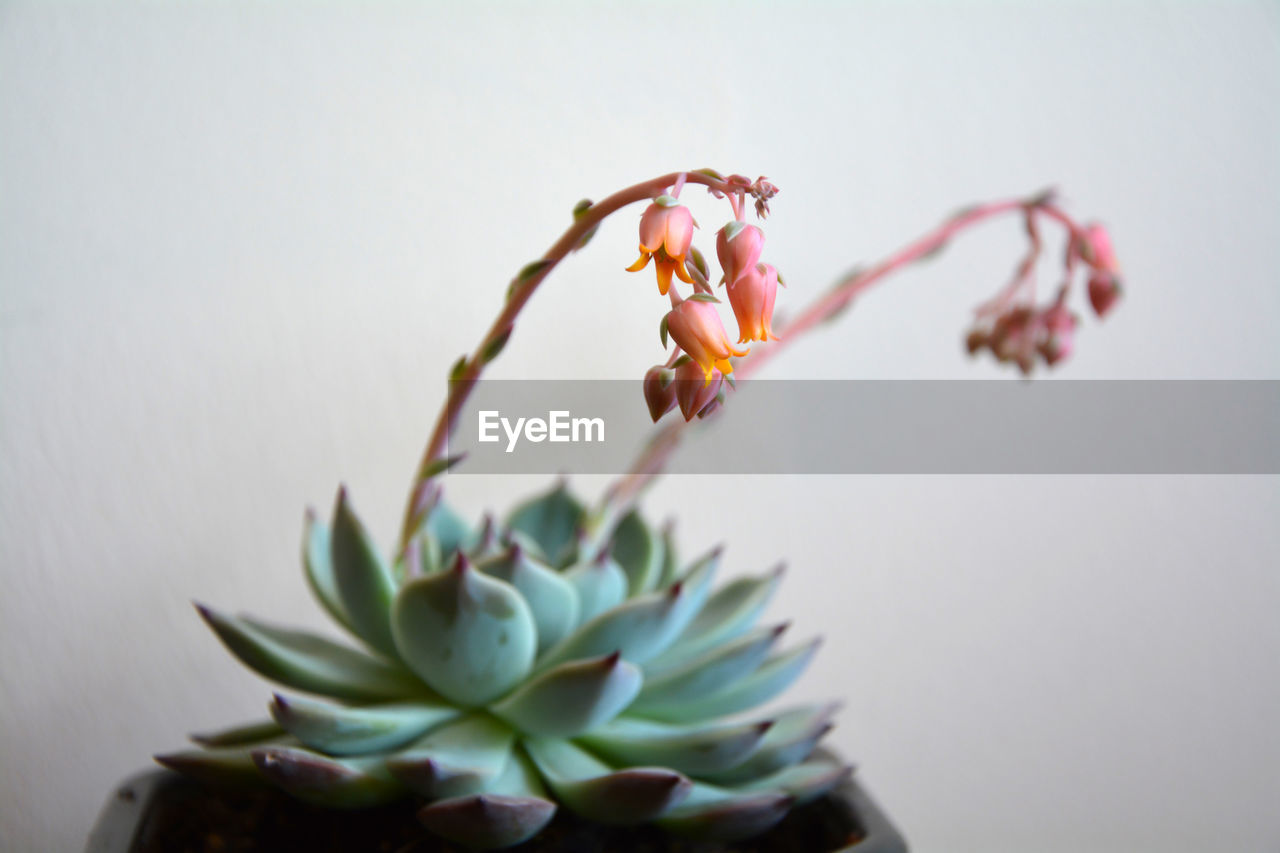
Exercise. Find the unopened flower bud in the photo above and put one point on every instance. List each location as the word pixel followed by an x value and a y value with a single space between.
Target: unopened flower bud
pixel 1104 292
pixel 659 391
pixel 666 233
pixel 693 391
pixel 1096 249
pixel 696 328
pixel 752 298
pixel 738 247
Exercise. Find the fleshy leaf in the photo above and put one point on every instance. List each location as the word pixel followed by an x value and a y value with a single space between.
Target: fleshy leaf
pixel 593 789
pixel 364 582
pixel 731 611
pixel 792 738
pixel 774 676
pixel 804 782
pixel 331 782
pixel 695 750
pixel 717 814
pixel 712 671
pixel 319 568
pixel 230 765
pixel 448 530
pixel 514 810
pixel 601 584
pixel 311 663
pixel 459 758
pixel 639 553
pixel 421 557
pixel 338 730
pixel 641 627
pixel 572 697
pixel 552 520
pixel 551 598
pixel 670 560
pixel 469 636
pixel 238 735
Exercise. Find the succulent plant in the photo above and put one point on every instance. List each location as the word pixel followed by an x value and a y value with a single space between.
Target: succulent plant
pixel 508 673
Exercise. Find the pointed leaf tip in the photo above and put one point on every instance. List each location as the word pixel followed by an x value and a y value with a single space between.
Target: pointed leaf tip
pixel 488 821
pixel 572 698
pixel 326 781
pixel 251 733
pixel 594 790
pixel 341 730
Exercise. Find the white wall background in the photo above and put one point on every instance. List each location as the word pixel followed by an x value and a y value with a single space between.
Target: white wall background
pixel 241 243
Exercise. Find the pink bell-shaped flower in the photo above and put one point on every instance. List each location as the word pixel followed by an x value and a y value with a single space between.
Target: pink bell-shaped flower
pixel 738 247
pixel 696 328
pixel 752 298
pixel 666 233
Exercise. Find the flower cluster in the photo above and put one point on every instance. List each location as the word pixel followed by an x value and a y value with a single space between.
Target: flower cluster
pixel 1022 334
pixel 694 376
pixel 1015 329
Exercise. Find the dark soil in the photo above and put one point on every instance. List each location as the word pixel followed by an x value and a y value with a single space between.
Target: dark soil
pixel 187 817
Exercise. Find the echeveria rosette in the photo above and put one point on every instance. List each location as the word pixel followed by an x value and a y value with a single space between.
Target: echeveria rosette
pixel 499 683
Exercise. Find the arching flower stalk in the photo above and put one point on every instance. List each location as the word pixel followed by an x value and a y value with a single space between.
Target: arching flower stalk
pixel 560 659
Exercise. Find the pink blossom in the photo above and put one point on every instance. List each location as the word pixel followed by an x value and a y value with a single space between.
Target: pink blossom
pixel 752 298
pixel 696 328
pixel 738 246
pixel 666 233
